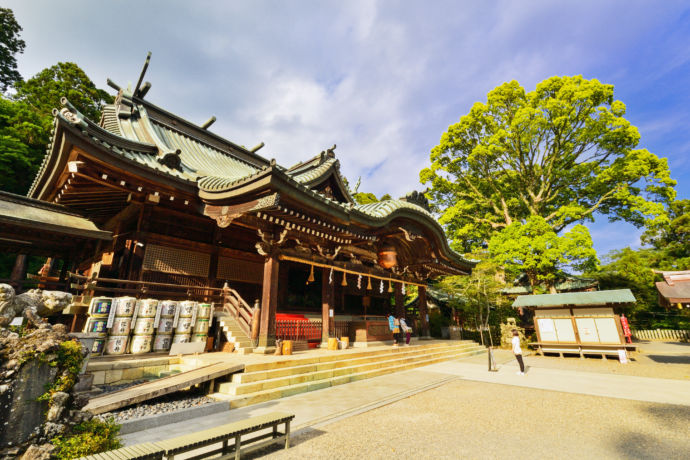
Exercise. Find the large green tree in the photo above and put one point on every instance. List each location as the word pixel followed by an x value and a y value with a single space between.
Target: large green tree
pixel 10 45
pixel 26 119
pixel 563 152
pixel 535 249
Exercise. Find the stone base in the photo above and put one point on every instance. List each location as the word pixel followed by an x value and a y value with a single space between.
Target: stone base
pixel 265 350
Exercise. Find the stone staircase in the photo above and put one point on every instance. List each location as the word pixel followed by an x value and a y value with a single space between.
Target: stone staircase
pixel 235 334
pixel 267 381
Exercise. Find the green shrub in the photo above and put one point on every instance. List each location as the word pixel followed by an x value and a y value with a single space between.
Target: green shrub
pixel 436 322
pixel 87 438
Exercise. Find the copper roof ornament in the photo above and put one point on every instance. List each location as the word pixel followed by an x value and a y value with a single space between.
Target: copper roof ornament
pixel 388 256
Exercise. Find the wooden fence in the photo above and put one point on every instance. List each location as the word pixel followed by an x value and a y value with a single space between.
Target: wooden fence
pixel 307 330
pixel 670 335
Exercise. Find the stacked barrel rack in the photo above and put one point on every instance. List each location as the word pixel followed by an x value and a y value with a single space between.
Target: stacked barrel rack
pixel 127 325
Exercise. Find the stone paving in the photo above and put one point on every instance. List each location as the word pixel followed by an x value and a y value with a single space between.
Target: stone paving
pixel 325 406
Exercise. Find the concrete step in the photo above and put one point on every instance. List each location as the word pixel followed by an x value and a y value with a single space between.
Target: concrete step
pixel 251 374
pixel 310 373
pixel 349 354
pixel 281 392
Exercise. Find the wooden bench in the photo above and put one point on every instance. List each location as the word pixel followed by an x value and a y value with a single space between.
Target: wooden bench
pixel 582 349
pixel 222 434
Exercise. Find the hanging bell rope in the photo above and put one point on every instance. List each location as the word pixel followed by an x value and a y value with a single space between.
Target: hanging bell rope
pixel 311 275
pixel 344 283
pixel 390 286
pixel 330 277
pixel 368 283
pixel 359 281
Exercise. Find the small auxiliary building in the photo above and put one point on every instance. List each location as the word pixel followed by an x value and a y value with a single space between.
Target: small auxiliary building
pixel 579 322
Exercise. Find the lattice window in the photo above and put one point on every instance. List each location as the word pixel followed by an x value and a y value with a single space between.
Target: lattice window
pixel 240 270
pixel 179 261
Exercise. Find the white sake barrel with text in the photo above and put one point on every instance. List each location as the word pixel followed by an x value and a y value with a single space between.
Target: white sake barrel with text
pixel 124 306
pixel 162 342
pixel 121 325
pixel 187 308
pixel 184 326
pixel 203 310
pixel 141 344
pixel 100 306
pixel 143 326
pixel 116 344
pixel 181 338
pixel 201 326
pixel 147 308
pixel 168 308
pixel 165 326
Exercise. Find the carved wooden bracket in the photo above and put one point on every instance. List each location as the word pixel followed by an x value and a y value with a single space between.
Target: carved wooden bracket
pixel 269 244
pixel 224 215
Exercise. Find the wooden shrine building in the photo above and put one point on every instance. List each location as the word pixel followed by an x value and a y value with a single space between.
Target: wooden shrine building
pixel 187 206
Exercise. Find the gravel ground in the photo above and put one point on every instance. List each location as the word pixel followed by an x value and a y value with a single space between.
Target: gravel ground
pixel 465 419
pixel 160 405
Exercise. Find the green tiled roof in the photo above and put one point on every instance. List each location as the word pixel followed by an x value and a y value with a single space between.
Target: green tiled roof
pixel 385 208
pixel 594 298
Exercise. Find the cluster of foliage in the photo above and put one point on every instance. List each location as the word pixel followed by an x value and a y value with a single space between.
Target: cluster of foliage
pixel 26 115
pixel 668 249
pixel 366 198
pixel 477 299
pixel 87 438
pixel 540 253
pixel 68 362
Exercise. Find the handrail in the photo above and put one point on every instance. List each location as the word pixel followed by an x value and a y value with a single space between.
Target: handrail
pixel 238 308
pixel 147 283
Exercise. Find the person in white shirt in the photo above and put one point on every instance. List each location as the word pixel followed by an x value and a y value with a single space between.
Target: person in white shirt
pixel 406 329
pixel 517 351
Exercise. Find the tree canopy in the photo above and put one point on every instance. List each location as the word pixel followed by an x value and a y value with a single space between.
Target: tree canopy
pixel 563 152
pixel 26 119
pixel 10 45
pixel 535 249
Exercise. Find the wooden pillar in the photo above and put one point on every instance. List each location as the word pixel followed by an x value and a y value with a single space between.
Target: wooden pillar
pixel 18 273
pixel 269 306
pixel 326 306
pixel 399 301
pixel 423 312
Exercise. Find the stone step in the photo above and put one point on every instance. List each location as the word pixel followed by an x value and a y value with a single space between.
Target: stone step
pixel 281 392
pixel 236 388
pixel 252 375
pixel 347 354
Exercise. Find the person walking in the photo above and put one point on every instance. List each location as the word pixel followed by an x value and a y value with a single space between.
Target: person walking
pixel 517 351
pixel 406 329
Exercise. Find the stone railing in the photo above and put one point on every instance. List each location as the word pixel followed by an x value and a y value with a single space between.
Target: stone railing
pixel 669 335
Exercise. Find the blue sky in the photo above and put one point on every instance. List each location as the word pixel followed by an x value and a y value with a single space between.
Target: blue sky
pixel 382 80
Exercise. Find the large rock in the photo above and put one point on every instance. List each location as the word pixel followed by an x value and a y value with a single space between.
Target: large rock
pixel 33 304
pixel 35 452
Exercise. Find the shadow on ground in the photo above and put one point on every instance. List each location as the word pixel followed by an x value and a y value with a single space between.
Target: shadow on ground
pixel 670 359
pixel 296 439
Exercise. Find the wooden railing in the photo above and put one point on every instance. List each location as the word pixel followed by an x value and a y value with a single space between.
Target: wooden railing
pixel 234 304
pixel 308 330
pixel 670 335
pixel 146 289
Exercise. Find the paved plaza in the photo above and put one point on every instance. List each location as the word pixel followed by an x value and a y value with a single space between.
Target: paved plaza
pixel 457 409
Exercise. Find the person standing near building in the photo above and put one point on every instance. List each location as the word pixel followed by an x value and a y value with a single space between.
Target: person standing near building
pixel 517 351
pixel 406 329
pixel 394 329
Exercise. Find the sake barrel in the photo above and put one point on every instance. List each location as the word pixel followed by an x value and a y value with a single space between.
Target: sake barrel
pixel 199 337
pixel 147 308
pixel 287 347
pixel 143 326
pixel 332 343
pixel 96 325
pixel 181 338
pixel 116 344
pixel 203 310
pixel 168 308
pixel 122 325
pixel 344 342
pixel 98 345
pixel 162 342
pixel 100 306
pixel 141 344
pixel 201 326
pixel 184 326
pixel 165 326
pixel 187 308
pixel 124 306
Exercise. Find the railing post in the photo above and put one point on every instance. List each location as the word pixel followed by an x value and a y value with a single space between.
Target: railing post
pixel 256 321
